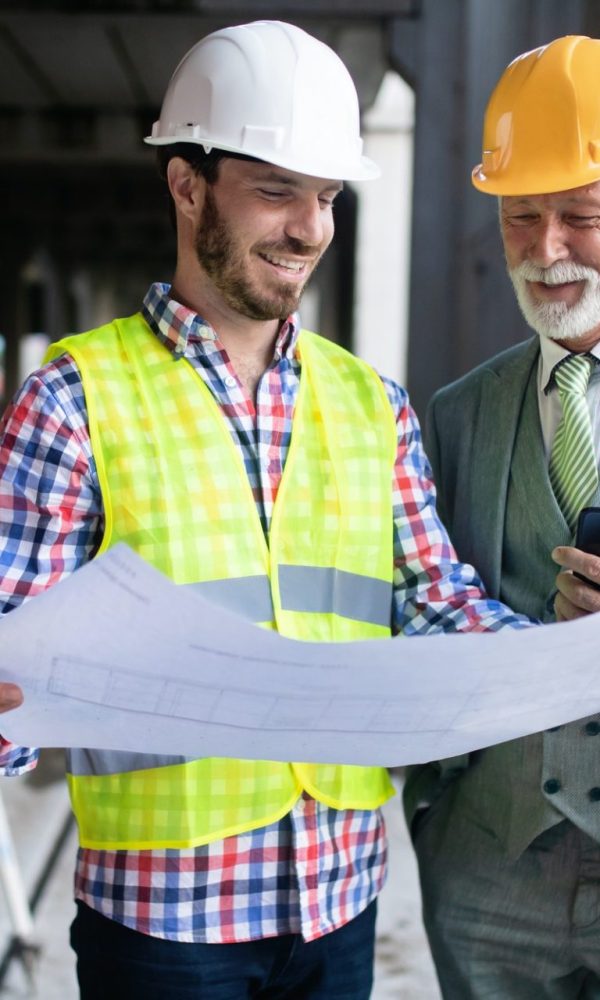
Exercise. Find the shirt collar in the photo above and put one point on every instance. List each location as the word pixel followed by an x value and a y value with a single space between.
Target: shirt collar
pixel 178 327
pixel 551 355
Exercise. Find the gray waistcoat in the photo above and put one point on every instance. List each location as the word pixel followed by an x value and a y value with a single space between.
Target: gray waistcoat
pixel 523 787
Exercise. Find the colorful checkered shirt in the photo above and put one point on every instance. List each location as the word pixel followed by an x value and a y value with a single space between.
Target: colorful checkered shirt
pixel 317 868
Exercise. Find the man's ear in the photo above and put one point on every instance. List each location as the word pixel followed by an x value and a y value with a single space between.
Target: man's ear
pixel 186 186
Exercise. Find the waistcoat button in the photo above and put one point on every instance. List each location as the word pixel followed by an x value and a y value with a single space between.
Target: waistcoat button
pixel 592 728
pixel 551 786
pixel 594 794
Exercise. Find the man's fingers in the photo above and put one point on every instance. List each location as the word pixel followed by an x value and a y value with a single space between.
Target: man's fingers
pixel 565 611
pixel 578 561
pixel 579 597
pixel 11 696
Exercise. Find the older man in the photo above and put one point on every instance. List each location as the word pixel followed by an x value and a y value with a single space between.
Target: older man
pixel 509 850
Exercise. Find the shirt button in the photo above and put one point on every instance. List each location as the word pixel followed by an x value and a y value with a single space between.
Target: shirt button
pixel 551 786
pixel 594 794
pixel 592 728
pixel 230 381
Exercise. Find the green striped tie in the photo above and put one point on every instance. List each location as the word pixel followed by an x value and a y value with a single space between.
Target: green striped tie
pixel 573 469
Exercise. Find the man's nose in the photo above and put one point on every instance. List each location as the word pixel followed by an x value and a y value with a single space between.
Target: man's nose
pixel 549 243
pixel 305 222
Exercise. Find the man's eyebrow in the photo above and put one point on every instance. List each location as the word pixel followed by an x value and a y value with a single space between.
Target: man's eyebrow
pixel 517 202
pixel 591 203
pixel 273 177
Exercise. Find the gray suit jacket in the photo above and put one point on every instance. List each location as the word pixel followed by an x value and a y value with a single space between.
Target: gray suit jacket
pixel 484 441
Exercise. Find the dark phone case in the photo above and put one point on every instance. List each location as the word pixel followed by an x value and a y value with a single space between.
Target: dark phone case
pixel 588 530
pixel 588 536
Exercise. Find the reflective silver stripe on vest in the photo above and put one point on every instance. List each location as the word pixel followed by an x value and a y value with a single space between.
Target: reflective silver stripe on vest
pixel 247 596
pixel 308 589
pixel 330 591
pixel 87 762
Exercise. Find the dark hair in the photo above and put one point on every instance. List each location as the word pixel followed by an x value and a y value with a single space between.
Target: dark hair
pixel 201 162
pixel 206 164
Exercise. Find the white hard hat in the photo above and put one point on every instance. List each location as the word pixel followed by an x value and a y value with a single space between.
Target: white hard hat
pixel 267 90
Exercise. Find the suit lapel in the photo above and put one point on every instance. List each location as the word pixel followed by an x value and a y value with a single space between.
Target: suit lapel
pixel 501 402
pixel 530 480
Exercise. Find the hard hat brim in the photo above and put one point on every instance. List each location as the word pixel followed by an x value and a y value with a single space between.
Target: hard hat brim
pixel 364 169
pixel 539 183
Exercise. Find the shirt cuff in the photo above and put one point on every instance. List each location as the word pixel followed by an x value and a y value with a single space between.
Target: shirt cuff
pixel 16 760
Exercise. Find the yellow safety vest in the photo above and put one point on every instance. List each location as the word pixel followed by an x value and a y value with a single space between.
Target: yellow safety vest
pixel 174 487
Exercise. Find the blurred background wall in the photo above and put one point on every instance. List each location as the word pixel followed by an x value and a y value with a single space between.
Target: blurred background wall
pixel 415 281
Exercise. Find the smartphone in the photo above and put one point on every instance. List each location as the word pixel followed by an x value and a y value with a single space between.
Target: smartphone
pixel 588 536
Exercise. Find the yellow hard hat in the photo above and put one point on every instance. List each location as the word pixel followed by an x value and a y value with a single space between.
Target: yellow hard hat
pixel 542 123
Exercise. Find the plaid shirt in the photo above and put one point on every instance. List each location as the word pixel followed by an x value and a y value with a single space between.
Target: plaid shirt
pixel 317 868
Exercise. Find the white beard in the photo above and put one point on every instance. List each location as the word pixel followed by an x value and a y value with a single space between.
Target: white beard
pixel 557 320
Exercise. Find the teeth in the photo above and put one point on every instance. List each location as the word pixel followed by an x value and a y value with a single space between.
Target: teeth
pixel 292 265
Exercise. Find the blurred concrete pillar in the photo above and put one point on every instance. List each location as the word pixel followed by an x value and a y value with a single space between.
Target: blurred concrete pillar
pixel 384 227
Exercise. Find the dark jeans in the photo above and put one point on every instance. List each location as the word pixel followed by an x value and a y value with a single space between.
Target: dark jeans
pixel 115 962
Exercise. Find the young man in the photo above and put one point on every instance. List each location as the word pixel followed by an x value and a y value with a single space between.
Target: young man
pixel 233 450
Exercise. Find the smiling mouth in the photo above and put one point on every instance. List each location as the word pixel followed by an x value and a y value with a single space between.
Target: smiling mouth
pixel 293 267
pixel 558 284
pixel 553 286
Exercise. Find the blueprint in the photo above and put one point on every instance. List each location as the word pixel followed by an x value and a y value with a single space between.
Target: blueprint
pixel 117 657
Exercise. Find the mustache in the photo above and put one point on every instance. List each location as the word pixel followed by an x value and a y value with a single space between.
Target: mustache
pixel 559 273
pixel 292 246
